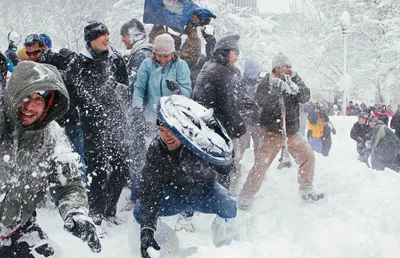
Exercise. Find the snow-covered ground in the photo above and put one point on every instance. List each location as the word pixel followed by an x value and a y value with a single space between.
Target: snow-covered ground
pixel 358 218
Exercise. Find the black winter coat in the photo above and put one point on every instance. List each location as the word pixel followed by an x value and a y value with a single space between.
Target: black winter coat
pixel 135 60
pixel 50 57
pixel 98 90
pixel 360 132
pixel 3 71
pixel 180 169
pixel 248 107
pixel 395 123
pixel 268 101
pixel 215 88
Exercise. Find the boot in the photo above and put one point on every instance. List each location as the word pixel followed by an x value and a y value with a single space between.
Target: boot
pixel 310 195
pixel 245 203
pixel 225 230
pixel 167 239
pixel 185 222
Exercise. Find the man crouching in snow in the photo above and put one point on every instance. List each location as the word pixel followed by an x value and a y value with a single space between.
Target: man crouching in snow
pixel 36 154
pixel 176 178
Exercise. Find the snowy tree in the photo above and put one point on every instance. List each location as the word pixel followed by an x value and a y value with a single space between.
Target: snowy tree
pixel 70 17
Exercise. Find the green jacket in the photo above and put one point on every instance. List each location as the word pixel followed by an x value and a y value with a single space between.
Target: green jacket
pixel 383 137
pixel 39 156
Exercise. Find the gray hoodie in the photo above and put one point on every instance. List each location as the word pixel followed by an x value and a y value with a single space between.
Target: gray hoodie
pixel 39 156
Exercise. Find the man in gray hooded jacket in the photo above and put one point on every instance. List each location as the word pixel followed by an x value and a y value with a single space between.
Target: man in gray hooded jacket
pixel 36 154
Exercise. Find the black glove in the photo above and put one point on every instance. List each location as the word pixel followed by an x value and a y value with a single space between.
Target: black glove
pixel 173 86
pixel 147 240
pixel 83 227
pixel 206 35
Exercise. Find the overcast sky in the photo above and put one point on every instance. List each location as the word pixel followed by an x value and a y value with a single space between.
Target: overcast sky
pixel 274 5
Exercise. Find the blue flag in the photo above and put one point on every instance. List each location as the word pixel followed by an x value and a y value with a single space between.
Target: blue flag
pixel 174 13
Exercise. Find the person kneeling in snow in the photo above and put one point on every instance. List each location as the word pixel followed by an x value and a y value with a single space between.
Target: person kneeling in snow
pixel 384 146
pixel 181 173
pixel 36 154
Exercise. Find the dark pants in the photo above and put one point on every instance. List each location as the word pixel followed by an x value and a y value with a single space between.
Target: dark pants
pixel 326 146
pixel 385 157
pixel 107 174
pixel 22 241
pixel 216 200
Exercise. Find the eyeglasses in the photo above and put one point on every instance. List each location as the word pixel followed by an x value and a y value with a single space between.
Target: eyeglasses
pixel 33 53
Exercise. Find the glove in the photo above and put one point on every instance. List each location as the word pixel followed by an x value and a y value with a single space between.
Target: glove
pixel 293 87
pixel 83 227
pixel 207 32
pixel 173 86
pixel 277 85
pixel 368 144
pixel 147 240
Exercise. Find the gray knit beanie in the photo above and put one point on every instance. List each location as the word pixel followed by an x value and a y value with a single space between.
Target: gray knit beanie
pixel 280 60
pixel 135 29
pixel 228 42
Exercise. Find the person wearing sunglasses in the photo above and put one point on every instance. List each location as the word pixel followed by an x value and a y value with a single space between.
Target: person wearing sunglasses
pixel 37 51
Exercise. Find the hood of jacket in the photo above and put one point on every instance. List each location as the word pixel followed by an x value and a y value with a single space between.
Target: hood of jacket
pixel 144 43
pixel 89 54
pixel 31 77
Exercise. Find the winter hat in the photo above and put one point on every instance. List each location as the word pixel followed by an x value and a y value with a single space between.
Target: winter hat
pixel 373 118
pixel 228 42
pixel 251 69
pixel 135 29
pixel 164 44
pixel 34 39
pixel 65 52
pixel 280 60
pixel 47 40
pixel 46 94
pixel 94 29
pixel 363 115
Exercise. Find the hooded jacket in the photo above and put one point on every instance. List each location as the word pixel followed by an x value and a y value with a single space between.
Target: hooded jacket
pixel 151 84
pixel 359 132
pixel 139 52
pixel 382 137
pixel 215 88
pixel 271 114
pixel 38 156
pixel 98 88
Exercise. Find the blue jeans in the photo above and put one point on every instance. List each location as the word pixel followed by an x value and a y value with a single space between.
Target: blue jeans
pixel 316 144
pixel 77 142
pixel 217 200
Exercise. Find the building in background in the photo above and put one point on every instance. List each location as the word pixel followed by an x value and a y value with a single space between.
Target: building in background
pixel 251 4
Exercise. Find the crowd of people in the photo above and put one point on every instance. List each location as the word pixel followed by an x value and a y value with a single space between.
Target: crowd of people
pixel 87 124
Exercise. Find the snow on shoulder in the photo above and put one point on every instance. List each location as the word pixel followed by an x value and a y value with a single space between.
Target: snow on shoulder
pixel 197 128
